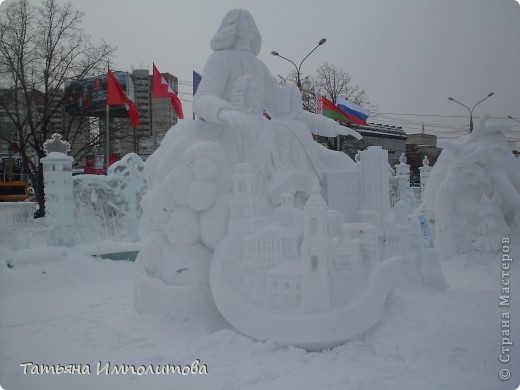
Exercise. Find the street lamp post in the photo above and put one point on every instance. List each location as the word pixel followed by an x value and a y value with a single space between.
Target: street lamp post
pixel 471 110
pixel 516 120
pixel 298 68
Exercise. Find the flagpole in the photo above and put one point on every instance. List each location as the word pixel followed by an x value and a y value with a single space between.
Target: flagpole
pixel 107 136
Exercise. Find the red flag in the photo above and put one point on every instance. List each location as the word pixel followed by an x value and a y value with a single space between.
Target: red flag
pixel 161 89
pixel 116 96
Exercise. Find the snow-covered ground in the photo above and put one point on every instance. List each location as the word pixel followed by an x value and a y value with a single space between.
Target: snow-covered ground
pixel 60 306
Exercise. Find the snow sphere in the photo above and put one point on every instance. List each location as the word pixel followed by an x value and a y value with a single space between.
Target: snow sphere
pixel 183 227
pixel 170 157
pixel 205 169
pixel 152 246
pixel 178 182
pixel 201 195
pixel 157 204
pixel 214 222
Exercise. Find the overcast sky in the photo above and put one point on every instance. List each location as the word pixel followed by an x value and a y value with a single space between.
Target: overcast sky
pixel 409 55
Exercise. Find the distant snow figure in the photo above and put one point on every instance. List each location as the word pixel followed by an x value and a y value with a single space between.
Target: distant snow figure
pixel 474 191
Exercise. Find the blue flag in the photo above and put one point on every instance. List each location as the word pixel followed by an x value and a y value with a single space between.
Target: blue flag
pixel 196 80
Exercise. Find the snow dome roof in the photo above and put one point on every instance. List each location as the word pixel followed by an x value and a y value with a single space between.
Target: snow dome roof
pixel 315 201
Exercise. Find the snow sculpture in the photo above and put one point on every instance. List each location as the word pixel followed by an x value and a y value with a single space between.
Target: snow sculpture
pixel 375 183
pixel 187 206
pixel 236 218
pixel 128 172
pixel 402 171
pixel 109 207
pixel 299 276
pixel 57 174
pixel 424 173
pixel 16 223
pixel 473 192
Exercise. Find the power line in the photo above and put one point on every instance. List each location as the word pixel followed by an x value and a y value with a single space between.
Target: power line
pixel 435 115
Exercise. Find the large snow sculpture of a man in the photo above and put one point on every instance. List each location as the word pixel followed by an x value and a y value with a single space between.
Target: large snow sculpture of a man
pixel 235 46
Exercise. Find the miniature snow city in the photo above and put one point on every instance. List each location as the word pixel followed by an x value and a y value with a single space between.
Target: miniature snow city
pixel 293 242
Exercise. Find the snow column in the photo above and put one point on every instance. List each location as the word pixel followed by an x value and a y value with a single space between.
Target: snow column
pixel 376 191
pixel 57 174
pixel 425 173
pixel 402 171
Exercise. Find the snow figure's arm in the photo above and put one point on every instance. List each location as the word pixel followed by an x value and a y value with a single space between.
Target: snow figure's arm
pixel 321 125
pixel 208 102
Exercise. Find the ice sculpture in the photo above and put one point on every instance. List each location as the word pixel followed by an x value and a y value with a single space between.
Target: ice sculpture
pixel 109 207
pixel 402 171
pixel 241 203
pixel 57 174
pixel 474 191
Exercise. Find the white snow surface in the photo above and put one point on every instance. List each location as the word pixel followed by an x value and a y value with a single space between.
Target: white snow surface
pixel 60 306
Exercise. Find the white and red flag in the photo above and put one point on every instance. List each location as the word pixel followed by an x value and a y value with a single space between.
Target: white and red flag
pixel 161 89
pixel 116 96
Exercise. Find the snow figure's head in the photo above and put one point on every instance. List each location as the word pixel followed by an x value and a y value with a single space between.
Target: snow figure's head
pixel 486 127
pixel 289 100
pixel 246 95
pixel 237 31
pixel 492 135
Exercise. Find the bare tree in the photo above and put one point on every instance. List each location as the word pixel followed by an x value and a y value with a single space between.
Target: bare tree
pixel 331 82
pixel 41 47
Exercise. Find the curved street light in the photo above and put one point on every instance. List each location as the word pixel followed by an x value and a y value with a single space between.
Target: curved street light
pixel 471 110
pixel 516 120
pixel 298 68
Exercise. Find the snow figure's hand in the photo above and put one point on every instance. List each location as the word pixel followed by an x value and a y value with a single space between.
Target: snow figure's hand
pixel 235 118
pixel 344 130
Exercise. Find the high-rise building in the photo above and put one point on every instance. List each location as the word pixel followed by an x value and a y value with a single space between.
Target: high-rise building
pixel 156 115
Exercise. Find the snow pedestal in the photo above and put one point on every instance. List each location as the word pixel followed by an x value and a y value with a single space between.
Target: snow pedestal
pixel 57 173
